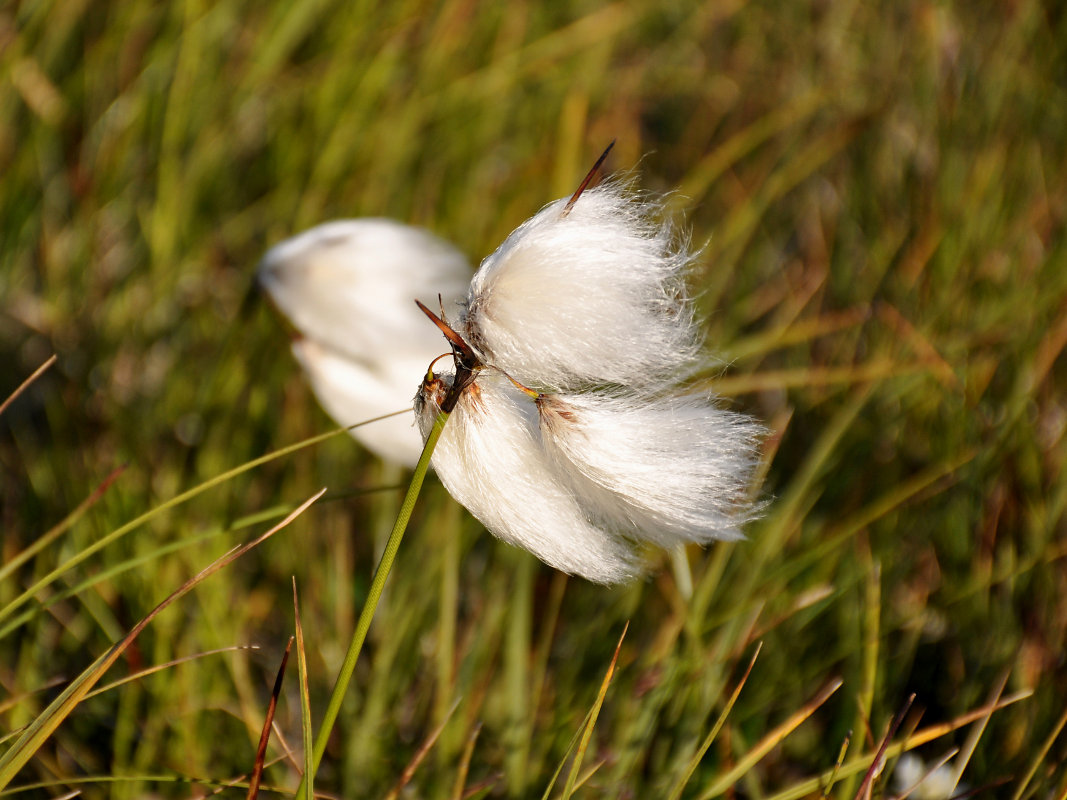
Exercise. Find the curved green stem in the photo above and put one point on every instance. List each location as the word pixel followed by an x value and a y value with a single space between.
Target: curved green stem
pixel 333 708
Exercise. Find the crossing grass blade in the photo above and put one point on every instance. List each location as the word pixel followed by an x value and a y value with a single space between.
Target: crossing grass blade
pixel 24 748
pixel 594 712
pixel 305 702
pixel 268 720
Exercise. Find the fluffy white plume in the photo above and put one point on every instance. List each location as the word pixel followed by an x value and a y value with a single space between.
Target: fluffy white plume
pixel 347 288
pixel 491 460
pixel 601 451
pixel 349 285
pixel 352 391
pixel 594 295
pixel 667 469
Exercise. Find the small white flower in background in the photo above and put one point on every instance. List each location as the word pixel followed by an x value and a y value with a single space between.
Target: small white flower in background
pixel 346 287
pixel 571 434
pixel 913 776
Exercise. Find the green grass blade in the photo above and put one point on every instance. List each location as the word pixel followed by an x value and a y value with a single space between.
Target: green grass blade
pixel 769 742
pixel 694 762
pixel 42 727
pixel 59 529
pixel 1039 757
pixel 121 531
pixel 587 731
pixel 344 677
pixel 305 701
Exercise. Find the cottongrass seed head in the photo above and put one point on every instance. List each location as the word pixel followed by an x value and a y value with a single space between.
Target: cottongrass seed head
pixel 572 433
pixel 346 287
pixel 588 293
pixel 492 460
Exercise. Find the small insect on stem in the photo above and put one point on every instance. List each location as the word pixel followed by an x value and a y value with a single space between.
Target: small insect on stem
pixel 467 363
pixel 586 181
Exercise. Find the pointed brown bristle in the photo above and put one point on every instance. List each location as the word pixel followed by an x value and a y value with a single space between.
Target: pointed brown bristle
pixel 588 179
pixel 264 737
pixel 453 338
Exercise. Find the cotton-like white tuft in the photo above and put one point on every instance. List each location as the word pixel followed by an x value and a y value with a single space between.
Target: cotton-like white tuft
pixel 669 470
pixel 491 460
pixel 349 285
pixel 347 288
pixel 353 391
pixel 594 295
pixel 575 437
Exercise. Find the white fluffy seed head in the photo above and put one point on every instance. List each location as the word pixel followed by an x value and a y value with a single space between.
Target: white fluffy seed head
pixel 669 470
pixel 587 307
pixel 353 391
pixel 348 287
pixel 491 459
pixel 594 295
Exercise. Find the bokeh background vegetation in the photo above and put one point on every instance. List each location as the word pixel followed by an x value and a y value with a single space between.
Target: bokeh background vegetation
pixel 881 189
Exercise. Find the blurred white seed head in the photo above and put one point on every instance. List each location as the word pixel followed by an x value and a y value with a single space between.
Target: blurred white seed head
pixel 594 295
pixel 352 391
pixel 573 437
pixel 922 782
pixel 347 288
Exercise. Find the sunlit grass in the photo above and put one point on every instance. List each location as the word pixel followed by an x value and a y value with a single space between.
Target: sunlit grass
pixel 879 193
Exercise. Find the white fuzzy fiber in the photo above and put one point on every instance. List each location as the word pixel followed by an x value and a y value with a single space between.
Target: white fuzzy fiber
pixel 667 470
pixel 605 452
pixel 592 296
pixel 348 288
pixel 353 391
pixel 491 460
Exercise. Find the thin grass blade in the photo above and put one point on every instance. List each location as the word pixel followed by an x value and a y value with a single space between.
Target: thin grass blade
pixel 42 727
pixel 566 754
pixel 878 763
pixel 305 702
pixel 420 756
pixel 374 594
pixel 465 762
pixel 770 741
pixel 977 730
pixel 185 496
pixel 694 762
pixel 37 373
pixel 264 736
pixel 841 753
pixel 587 732
pixel 917 739
pixel 1039 758
pixel 60 528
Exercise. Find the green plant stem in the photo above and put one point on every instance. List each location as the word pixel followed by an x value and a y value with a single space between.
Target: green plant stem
pixel 385 565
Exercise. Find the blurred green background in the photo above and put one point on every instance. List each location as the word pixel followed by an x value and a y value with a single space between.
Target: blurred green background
pixel 880 192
